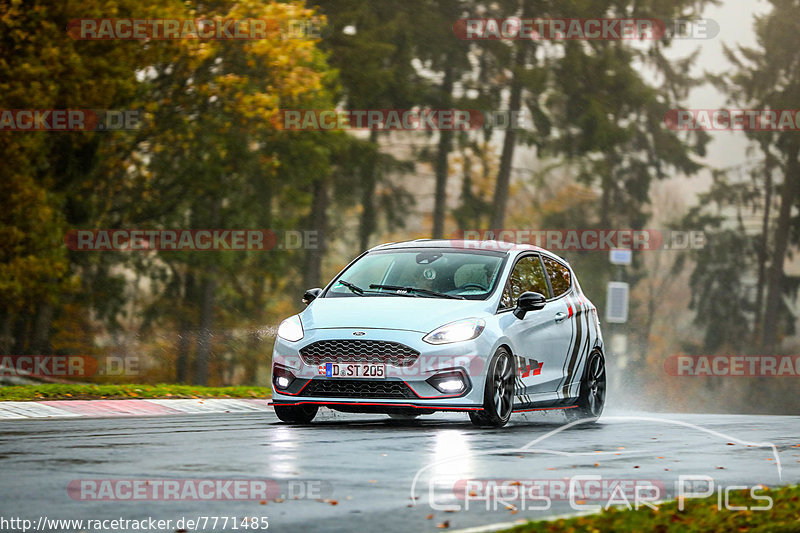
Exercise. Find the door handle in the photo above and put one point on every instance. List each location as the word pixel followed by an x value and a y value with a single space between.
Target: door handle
pixel 560 316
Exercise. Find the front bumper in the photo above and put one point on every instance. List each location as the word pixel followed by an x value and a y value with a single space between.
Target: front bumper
pixel 407 385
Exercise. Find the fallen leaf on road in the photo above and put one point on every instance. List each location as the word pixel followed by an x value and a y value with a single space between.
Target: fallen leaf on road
pixel 444 525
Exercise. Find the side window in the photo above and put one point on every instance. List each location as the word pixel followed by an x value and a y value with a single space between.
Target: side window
pixel 559 276
pixel 528 275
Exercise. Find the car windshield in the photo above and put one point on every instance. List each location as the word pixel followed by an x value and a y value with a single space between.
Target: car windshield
pixel 428 273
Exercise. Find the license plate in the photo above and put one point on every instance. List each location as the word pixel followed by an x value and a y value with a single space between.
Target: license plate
pixel 353 370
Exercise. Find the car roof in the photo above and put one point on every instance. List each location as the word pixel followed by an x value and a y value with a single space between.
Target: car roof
pixel 507 248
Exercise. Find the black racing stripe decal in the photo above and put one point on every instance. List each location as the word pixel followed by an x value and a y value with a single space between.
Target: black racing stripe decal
pixel 572 340
pixel 575 351
pixel 587 345
pixel 526 366
pixel 590 311
pixel 517 380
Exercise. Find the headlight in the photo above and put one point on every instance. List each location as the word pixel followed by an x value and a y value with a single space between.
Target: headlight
pixel 463 330
pixel 291 329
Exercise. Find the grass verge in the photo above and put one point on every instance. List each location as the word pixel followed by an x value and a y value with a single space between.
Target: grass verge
pixel 698 515
pixel 69 391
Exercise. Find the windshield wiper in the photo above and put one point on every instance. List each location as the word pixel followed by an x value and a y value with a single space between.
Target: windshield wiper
pixel 361 292
pixel 416 290
pixel 352 286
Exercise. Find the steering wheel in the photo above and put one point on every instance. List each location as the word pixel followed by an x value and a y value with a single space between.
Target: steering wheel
pixel 478 285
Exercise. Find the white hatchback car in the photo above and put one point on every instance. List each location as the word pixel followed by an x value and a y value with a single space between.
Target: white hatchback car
pixel 415 327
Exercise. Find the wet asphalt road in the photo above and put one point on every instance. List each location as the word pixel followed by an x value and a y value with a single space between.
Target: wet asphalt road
pixel 367 463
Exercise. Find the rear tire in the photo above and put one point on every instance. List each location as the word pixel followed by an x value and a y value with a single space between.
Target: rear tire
pixel 498 393
pixel 296 414
pixel 592 395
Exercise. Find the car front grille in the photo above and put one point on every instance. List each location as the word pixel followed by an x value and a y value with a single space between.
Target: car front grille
pixel 358 351
pixel 357 388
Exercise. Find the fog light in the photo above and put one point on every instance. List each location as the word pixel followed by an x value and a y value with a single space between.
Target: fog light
pixel 451 385
pixel 450 382
pixel 282 378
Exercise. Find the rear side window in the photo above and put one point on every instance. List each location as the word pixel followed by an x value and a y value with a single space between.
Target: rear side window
pixel 560 278
pixel 528 275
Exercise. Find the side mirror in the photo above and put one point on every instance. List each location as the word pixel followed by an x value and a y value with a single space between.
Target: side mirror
pixel 529 301
pixel 311 295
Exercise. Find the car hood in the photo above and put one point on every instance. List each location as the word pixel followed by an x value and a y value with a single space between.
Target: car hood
pixel 420 314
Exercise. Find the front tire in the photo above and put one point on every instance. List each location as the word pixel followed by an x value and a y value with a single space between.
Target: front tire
pixel 296 414
pixel 592 396
pixel 403 416
pixel 498 392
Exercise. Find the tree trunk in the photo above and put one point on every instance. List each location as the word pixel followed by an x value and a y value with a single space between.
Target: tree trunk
pixel 206 323
pixel 445 146
pixel 319 223
pixel 185 331
pixel 20 335
pixel 368 181
pixel 509 143
pixel 789 193
pixel 466 214
pixel 763 246
pixel 40 334
pixel 608 189
pixel 6 338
